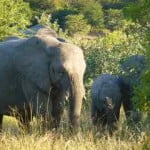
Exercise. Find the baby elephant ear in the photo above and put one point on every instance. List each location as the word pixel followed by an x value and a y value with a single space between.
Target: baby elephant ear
pixel 109 102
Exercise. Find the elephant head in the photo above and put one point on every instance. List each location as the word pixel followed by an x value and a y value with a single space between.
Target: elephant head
pixel 106 101
pixel 53 67
pixel 109 111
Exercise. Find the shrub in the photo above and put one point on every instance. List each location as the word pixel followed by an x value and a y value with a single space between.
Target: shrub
pixel 60 16
pixel 92 11
pixel 38 4
pixel 45 19
pixel 114 19
pixel 76 24
pixel 14 15
pixel 104 54
pixel 139 12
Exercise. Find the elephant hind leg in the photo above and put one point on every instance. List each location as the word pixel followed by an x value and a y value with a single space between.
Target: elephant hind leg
pixel 1 121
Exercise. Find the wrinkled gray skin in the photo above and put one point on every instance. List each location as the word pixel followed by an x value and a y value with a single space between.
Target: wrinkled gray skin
pixel 35 75
pixel 108 92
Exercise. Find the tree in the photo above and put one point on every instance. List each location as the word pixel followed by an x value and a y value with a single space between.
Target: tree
pixel 14 15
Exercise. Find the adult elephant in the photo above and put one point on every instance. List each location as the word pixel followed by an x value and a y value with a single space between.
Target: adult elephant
pixel 39 71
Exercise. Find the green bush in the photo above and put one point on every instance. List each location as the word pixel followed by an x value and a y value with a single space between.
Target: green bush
pixel 39 4
pixel 114 19
pixel 60 16
pixel 45 19
pixel 104 54
pixel 14 15
pixel 139 12
pixel 92 10
pixel 142 91
pixel 76 24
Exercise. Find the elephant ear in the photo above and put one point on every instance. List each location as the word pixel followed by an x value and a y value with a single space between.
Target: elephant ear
pixel 31 63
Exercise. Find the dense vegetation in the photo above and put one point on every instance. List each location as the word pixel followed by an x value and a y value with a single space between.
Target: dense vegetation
pixel 108 31
pixel 14 15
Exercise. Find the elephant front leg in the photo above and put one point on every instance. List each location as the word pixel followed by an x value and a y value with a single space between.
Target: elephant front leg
pixel 94 114
pixel 1 121
pixel 58 98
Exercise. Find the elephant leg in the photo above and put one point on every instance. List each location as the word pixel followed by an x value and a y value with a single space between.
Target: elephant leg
pixel 58 98
pixel 117 112
pixel 128 107
pixel 1 121
pixel 43 111
pixel 94 114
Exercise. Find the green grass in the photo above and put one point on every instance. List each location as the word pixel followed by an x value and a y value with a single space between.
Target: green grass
pixel 125 138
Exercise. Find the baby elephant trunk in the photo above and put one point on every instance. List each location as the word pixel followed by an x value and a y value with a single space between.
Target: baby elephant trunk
pixel 110 113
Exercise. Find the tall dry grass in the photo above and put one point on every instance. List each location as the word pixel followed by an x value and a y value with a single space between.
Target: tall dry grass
pixel 88 138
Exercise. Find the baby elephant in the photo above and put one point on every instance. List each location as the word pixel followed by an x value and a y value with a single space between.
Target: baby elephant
pixel 106 100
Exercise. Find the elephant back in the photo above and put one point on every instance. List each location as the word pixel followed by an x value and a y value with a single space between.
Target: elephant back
pixel 40 29
pixel 132 68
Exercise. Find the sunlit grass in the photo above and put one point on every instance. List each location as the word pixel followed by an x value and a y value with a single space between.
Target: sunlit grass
pixel 87 138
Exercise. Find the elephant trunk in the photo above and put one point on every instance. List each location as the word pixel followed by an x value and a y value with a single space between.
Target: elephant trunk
pixel 77 94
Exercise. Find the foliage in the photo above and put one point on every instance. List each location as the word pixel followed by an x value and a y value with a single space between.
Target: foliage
pixel 76 24
pixel 14 15
pixel 59 4
pixel 92 11
pixel 114 19
pixel 45 19
pixel 60 16
pixel 38 4
pixel 104 54
pixel 140 13
pixel 142 94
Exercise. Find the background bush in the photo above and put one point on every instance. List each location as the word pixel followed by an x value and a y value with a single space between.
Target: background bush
pixel 92 10
pixel 140 13
pixel 14 15
pixel 114 19
pixel 77 24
